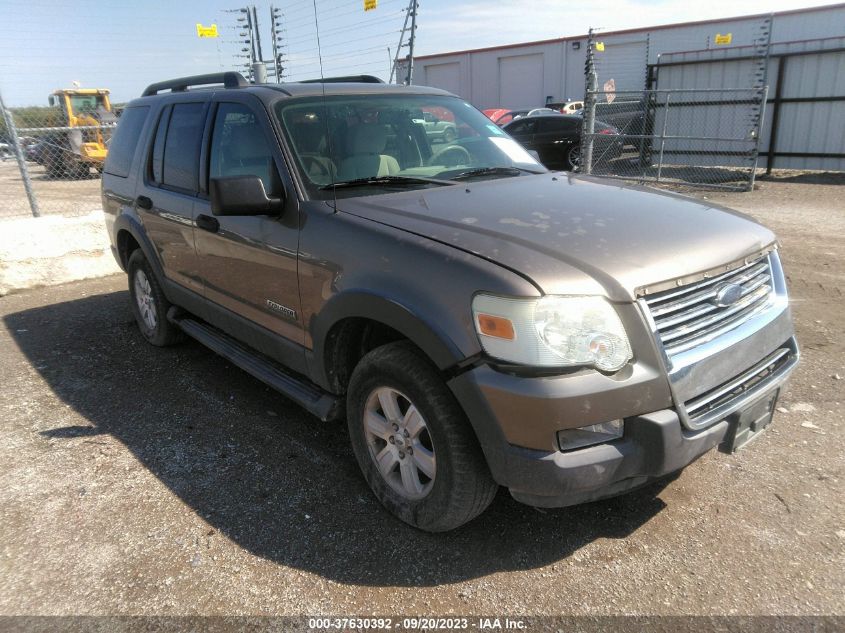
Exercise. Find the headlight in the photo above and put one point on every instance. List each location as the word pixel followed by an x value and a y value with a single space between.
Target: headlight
pixel 552 331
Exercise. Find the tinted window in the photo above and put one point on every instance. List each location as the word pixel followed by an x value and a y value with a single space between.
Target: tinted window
pixel 125 140
pixel 239 147
pixel 521 127
pixel 558 125
pixel 158 146
pixel 182 146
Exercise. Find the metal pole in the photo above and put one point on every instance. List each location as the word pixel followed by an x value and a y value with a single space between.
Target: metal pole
pixel 260 57
pixel 24 169
pixel 259 73
pixel 253 57
pixel 400 45
pixel 590 121
pixel 410 80
pixel 758 131
pixel 663 137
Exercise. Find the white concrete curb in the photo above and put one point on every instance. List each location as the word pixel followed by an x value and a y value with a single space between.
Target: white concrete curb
pixel 52 250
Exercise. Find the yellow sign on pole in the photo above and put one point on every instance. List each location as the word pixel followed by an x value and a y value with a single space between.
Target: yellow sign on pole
pixel 722 40
pixel 206 31
pixel 369 5
pixel 600 46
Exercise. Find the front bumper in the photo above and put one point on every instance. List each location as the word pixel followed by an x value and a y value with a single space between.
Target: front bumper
pixel 502 407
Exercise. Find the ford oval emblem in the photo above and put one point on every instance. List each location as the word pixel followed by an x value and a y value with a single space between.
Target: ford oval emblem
pixel 727 295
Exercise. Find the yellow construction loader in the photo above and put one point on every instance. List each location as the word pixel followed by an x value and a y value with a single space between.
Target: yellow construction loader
pixel 81 140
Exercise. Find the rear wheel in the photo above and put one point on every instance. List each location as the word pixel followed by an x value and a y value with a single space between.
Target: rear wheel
pixel 413 442
pixel 449 135
pixel 149 305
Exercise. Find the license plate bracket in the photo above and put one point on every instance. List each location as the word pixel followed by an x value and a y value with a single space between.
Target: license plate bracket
pixel 747 424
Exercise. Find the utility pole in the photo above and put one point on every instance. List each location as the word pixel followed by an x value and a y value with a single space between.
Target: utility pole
pixel 251 30
pixel 410 80
pixel 275 23
pixel 410 16
pixel 260 57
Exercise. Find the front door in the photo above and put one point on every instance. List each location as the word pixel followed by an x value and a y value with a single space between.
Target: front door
pixel 249 263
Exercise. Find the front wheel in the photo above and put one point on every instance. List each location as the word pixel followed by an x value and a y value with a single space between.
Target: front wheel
pixel 573 158
pixel 413 442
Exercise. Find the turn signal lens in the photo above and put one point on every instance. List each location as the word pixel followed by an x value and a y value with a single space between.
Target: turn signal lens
pixel 495 326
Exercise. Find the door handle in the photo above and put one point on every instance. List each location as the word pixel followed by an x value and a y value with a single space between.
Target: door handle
pixel 144 202
pixel 207 223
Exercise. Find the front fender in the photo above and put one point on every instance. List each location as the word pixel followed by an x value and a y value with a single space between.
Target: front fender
pixel 424 332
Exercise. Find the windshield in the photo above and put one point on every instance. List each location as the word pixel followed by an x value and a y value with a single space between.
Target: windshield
pixel 86 103
pixel 383 142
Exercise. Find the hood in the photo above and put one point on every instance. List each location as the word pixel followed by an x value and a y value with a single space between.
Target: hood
pixel 573 235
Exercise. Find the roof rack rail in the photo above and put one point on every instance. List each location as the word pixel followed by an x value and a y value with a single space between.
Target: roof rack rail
pixel 228 79
pixel 347 79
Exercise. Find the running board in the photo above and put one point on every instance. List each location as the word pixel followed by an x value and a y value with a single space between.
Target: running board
pixel 303 392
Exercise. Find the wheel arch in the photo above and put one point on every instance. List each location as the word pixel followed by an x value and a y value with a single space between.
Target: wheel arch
pixel 357 307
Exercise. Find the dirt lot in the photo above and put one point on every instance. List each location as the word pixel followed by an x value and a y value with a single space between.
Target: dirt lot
pixel 136 480
pixel 64 196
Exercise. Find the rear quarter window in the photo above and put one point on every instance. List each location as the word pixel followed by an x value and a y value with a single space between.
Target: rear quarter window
pixel 125 141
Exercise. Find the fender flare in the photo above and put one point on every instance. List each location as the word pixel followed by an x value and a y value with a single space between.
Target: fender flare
pixel 133 226
pixel 421 331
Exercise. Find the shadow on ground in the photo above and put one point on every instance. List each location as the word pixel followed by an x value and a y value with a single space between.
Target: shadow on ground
pixel 268 476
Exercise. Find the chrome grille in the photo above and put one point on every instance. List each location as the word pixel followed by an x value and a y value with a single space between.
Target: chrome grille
pixel 691 315
pixel 715 404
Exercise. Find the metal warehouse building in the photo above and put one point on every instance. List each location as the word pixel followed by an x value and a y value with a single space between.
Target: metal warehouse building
pixel 804 121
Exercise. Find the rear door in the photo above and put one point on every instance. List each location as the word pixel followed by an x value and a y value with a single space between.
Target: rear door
pixel 249 262
pixel 167 192
pixel 554 138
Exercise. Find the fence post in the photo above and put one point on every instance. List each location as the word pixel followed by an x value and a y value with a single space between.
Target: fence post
pixel 663 137
pixel 16 145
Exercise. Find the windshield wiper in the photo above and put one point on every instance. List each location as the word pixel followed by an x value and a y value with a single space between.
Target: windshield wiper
pixel 493 171
pixel 387 180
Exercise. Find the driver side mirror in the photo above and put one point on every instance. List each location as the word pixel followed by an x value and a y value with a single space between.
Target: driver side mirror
pixel 242 195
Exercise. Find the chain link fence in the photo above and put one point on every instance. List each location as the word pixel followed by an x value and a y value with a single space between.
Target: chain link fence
pixel 51 157
pixel 703 138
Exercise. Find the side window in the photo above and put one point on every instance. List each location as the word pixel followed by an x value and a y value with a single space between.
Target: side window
pixel 239 147
pixel 180 163
pixel 522 127
pixel 125 140
pixel 559 126
pixel 158 146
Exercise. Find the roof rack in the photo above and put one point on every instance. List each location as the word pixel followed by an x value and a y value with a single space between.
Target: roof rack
pixel 228 79
pixel 348 79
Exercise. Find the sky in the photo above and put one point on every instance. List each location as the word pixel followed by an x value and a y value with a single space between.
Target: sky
pixel 125 45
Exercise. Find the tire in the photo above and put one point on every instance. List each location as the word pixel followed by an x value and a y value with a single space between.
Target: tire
pixel 152 318
pixel 461 486
pixel 573 158
pixel 449 135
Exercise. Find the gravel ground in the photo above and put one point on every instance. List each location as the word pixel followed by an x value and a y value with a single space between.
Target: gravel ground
pixel 55 195
pixel 136 480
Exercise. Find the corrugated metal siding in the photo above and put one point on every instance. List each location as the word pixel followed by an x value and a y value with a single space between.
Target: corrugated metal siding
pixel 561 75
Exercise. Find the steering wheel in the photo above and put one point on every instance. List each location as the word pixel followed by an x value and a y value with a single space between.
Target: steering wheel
pixel 451 156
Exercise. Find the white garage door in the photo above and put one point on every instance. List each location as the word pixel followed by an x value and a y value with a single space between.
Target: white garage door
pixel 445 77
pixel 521 82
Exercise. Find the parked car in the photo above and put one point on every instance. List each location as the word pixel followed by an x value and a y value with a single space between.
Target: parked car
pixel 435 128
pixel 566 107
pixel 477 320
pixel 501 116
pixel 557 139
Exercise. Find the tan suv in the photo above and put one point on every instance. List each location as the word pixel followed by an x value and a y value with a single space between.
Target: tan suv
pixel 478 320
